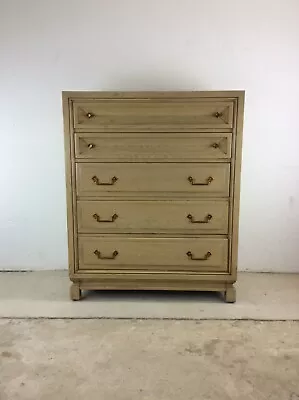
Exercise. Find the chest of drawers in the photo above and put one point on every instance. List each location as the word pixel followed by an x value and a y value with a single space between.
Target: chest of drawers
pixel 153 182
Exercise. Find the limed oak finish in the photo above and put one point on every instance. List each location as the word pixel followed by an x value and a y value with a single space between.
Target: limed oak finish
pixel 153 181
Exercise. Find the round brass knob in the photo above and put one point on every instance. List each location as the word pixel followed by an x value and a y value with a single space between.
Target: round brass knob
pixel 89 115
pixel 218 115
pixel 91 145
pixel 215 145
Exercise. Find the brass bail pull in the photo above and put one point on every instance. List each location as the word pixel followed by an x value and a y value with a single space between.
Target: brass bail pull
pixel 98 218
pixel 206 220
pixel 191 256
pixel 96 180
pixel 208 181
pixel 100 257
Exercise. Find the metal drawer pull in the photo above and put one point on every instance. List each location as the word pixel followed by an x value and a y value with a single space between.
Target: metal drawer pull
pixel 206 257
pixel 207 182
pixel 215 145
pixel 89 115
pixel 204 221
pixel 100 257
pixel 97 181
pixel 91 145
pixel 98 218
pixel 218 115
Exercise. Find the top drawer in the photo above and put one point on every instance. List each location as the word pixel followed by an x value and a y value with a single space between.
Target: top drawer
pixel 152 114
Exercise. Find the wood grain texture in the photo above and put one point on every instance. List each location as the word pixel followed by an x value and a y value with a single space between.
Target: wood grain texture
pixel 162 254
pixel 153 179
pixel 153 142
pixel 138 147
pixel 155 112
pixel 158 216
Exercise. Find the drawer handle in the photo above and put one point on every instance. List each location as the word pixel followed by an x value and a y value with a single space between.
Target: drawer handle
pixel 96 180
pixel 100 257
pixel 91 145
pixel 89 115
pixel 215 145
pixel 204 221
pixel 206 256
pixel 207 182
pixel 98 218
pixel 218 114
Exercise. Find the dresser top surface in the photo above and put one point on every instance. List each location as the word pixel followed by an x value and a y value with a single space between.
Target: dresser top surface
pixel 153 94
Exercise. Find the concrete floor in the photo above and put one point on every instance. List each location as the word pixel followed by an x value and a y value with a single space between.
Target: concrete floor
pixel 46 294
pixel 148 360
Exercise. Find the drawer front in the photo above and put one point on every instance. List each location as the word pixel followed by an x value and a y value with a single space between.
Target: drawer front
pixel 153 147
pixel 99 179
pixel 152 114
pixel 131 253
pixel 145 216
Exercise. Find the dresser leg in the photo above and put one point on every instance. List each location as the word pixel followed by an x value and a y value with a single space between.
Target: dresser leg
pixel 230 294
pixel 75 291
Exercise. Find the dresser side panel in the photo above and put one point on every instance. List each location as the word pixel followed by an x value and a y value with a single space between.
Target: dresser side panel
pixel 70 181
pixel 237 183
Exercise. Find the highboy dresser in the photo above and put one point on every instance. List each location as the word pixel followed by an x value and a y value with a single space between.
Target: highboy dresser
pixel 153 181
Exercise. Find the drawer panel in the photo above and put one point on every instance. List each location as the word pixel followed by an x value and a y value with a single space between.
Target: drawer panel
pixel 153 147
pixel 131 253
pixel 145 216
pixel 99 179
pixel 154 113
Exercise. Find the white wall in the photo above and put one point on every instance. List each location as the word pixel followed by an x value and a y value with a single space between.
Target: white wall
pixel 54 45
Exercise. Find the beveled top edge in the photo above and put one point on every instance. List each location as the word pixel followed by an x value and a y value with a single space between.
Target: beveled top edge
pixel 153 94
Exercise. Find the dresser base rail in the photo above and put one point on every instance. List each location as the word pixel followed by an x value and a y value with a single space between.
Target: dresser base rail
pixel 228 289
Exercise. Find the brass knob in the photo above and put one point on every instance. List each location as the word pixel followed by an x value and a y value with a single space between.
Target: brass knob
pixel 215 145
pixel 89 115
pixel 91 145
pixel 218 115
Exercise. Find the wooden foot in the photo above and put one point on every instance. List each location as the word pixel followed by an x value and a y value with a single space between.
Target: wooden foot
pixel 75 291
pixel 230 294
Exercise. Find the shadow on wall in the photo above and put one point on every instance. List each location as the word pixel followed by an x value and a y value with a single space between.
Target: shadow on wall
pixel 154 80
